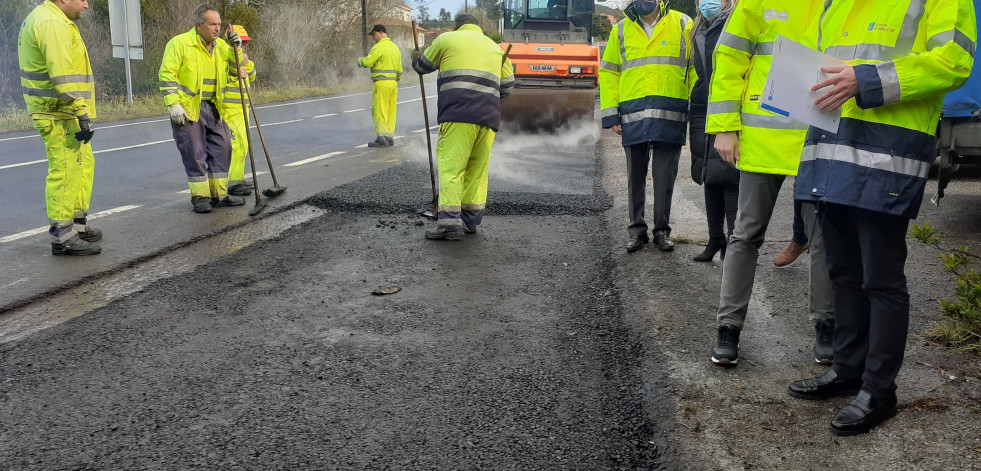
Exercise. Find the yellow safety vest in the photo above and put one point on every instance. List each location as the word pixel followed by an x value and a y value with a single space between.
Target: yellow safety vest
pixel 385 61
pixel 768 143
pixel 906 54
pixel 54 65
pixel 473 76
pixel 232 98
pixel 182 75
pixel 645 81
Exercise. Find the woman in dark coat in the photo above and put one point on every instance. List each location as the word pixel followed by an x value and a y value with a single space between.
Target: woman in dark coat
pixel 720 180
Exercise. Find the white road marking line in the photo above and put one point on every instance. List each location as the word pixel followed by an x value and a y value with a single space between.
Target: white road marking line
pixel 281 122
pixel 362 146
pixel 42 230
pixel 310 101
pixel 132 147
pixel 354 111
pixel 23 164
pixel 313 159
pixel 187 191
pixel 409 101
pixel 324 115
pixel 417 131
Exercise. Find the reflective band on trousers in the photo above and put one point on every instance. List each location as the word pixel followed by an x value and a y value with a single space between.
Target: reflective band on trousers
pixel 771 122
pixel 880 52
pixel 864 158
pixel 656 114
pixel 470 86
pixel 719 107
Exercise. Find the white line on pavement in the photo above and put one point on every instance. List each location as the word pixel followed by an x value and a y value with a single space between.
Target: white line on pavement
pixel 310 101
pixel 133 147
pixel 281 122
pixel 312 159
pixel 324 115
pixel 41 230
pixel 355 111
pixel 22 164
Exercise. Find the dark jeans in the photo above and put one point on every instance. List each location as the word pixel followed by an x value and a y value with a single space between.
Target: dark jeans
pixel 800 234
pixel 720 207
pixel 866 253
pixel 664 171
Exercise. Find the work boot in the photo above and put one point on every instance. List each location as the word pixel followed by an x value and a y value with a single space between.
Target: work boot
pixel 389 141
pixel 90 234
pixel 823 351
pixel 636 242
pixel 726 349
pixel 240 190
pixel 470 230
pixel 790 254
pixel 228 200
pixel 445 233
pixel 201 204
pixel 75 247
pixel 378 142
pixel 663 241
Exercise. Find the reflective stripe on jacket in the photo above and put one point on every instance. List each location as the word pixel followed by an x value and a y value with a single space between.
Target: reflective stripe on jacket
pixel 645 81
pixel 232 98
pixel 385 61
pixel 54 66
pixel 181 71
pixel 906 54
pixel 768 143
pixel 473 76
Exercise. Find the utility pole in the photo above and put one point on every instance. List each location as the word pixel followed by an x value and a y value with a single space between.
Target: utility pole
pixel 364 29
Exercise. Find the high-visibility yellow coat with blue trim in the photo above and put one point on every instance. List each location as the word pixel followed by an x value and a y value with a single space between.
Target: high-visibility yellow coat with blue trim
pixel 384 60
pixel 645 81
pixel 474 76
pixel 54 65
pixel 768 143
pixel 182 75
pixel 906 54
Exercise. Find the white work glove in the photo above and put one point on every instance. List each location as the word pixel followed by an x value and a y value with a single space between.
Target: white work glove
pixel 177 114
pixel 234 38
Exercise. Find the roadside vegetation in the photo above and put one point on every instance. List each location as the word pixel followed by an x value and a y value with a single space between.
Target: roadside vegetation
pixel 961 327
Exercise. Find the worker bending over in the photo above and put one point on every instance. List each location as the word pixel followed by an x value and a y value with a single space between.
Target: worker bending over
pixel 474 77
pixel 192 76
pixel 60 94
pixel 385 61
pixel 644 88
pixel 237 118
pixel 765 147
pixel 868 179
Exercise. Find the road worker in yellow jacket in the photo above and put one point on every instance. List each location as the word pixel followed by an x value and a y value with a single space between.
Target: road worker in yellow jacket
pixel 868 178
pixel 192 78
pixel 59 90
pixel 474 77
pixel 237 119
pixel 765 147
pixel 645 79
pixel 385 62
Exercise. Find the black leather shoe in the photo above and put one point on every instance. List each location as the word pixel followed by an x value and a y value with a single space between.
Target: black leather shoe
pixel 863 414
pixel 378 142
pixel 636 243
pixel 824 386
pixel 663 241
pixel 91 235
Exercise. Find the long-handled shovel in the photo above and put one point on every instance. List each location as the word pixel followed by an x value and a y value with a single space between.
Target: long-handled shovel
pixel 429 139
pixel 259 205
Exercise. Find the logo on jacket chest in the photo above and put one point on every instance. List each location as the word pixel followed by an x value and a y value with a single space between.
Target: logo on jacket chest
pixel 542 68
pixel 881 27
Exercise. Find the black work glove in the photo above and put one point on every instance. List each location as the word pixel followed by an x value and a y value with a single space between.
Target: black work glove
pixel 415 55
pixel 84 135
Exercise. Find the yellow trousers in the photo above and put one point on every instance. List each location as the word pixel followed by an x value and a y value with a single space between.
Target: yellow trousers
pixel 71 170
pixel 238 125
pixel 384 96
pixel 463 156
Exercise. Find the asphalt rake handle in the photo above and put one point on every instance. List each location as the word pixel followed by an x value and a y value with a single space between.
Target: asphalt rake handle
pixel 277 189
pixel 259 205
pixel 429 139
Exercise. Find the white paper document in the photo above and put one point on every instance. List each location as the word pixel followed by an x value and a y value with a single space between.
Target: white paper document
pixel 787 92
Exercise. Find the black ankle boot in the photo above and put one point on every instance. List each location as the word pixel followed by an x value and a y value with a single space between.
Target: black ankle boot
pixel 713 246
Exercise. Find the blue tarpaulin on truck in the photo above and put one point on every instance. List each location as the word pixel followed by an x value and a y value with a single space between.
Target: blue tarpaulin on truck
pixel 965 101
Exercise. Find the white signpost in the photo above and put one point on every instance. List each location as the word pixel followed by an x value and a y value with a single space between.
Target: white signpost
pixel 126 30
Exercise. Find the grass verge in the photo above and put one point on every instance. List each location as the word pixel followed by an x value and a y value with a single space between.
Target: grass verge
pixel 15 118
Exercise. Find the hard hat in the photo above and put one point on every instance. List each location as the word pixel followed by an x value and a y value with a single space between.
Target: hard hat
pixel 240 30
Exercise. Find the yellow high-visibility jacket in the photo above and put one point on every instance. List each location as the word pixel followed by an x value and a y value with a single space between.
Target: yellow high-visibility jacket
pixel 906 54
pixel 385 61
pixel 181 76
pixel 231 97
pixel 54 65
pixel 645 81
pixel 768 143
pixel 474 76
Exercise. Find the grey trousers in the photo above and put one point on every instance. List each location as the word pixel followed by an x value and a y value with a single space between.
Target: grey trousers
pixel 757 198
pixel 664 171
